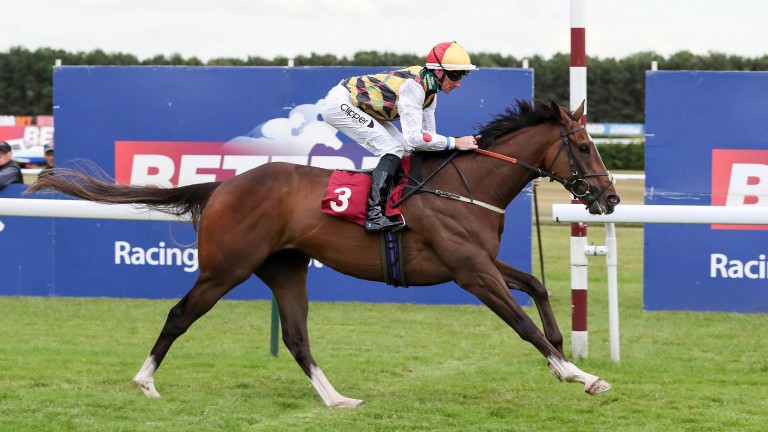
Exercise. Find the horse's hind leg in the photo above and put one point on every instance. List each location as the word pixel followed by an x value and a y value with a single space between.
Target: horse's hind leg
pixel 528 284
pixel 199 300
pixel 285 273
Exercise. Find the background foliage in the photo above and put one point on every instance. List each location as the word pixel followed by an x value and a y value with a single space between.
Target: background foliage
pixel 616 86
pixel 623 156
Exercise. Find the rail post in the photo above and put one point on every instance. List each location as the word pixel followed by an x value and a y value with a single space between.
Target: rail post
pixel 579 284
pixel 611 262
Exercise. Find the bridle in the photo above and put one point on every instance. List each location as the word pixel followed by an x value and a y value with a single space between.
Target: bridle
pixel 571 185
pixel 579 186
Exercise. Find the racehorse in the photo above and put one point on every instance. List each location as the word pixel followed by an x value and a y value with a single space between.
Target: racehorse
pixel 267 222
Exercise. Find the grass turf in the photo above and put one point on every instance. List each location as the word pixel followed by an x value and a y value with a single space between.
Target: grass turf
pixel 66 365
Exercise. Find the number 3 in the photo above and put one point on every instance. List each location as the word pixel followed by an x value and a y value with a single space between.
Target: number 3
pixel 344 194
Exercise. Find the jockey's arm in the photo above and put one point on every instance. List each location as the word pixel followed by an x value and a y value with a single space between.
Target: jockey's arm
pixel 418 124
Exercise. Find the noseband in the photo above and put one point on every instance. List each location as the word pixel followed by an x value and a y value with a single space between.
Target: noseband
pixel 577 170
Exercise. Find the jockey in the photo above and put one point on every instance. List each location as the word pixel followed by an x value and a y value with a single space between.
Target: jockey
pixel 363 107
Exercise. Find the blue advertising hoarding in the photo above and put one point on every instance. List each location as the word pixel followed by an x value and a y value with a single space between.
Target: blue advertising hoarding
pixel 183 125
pixel 707 144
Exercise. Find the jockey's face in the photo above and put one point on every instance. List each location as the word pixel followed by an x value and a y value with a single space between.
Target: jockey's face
pixel 447 84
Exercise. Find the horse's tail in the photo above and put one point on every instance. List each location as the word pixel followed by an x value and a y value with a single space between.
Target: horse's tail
pixel 179 201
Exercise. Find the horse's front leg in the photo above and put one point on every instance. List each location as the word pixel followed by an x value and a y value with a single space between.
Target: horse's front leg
pixel 519 280
pixel 484 281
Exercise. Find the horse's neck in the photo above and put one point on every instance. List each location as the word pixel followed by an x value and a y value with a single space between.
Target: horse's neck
pixel 498 177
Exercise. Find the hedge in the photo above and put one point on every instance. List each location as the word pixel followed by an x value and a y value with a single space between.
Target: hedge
pixel 623 156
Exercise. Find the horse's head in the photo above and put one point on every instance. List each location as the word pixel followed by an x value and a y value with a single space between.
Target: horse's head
pixel 576 163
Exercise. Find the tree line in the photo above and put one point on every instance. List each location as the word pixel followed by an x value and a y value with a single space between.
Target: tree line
pixel 616 87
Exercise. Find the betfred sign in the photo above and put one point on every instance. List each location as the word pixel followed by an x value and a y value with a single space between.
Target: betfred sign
pixel 27 141
pixel 707 143
pixel 300 137
pixel 176 126
pixel 740 179
pixel 173 164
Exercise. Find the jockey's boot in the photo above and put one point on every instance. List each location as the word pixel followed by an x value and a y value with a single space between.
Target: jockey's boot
pixel 381 184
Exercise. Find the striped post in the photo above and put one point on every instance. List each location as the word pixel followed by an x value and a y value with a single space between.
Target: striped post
pixel 579 283
pixel 578 56
pixel 579 261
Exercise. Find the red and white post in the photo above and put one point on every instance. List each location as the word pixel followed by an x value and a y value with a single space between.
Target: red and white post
pixel 579 261
pixel 579 249
pixel 579 284
pixel 578 56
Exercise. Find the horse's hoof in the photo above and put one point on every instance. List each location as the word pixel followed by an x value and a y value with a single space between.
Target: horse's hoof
pixel 598 387
pixel 148 387
pixel 554 371
pixel 348 403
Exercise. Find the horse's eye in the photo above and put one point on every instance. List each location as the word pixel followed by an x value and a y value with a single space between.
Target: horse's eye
pixel 583 149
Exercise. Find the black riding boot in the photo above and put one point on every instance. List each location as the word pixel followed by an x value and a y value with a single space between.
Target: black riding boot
pixel 381 184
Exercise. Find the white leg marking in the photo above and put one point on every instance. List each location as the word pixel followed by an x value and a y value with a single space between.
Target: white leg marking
pixel 568 372
pixel 330 396
pixel 145 379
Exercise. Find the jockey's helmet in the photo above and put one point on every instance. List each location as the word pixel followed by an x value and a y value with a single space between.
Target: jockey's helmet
pixel 450 56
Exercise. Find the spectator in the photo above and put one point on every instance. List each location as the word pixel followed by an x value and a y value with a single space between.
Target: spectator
pixel 48 168
pixel 10 171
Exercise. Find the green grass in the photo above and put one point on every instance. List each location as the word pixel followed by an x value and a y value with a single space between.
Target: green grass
pixel 66 365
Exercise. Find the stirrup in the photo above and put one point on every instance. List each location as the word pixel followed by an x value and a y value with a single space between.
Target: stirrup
pixel 402 225
pixel 383 224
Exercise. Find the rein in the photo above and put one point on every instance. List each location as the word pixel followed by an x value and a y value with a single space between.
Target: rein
pixel 575 167
pixel 421 184
pixel 420 187
pixel 570 185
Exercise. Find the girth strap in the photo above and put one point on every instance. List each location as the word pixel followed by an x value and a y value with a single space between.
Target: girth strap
pixel 392 259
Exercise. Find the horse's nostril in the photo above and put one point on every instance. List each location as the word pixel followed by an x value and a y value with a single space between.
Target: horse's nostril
pixel 614 200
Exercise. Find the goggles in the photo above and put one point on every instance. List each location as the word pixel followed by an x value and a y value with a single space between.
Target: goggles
pixel 456 75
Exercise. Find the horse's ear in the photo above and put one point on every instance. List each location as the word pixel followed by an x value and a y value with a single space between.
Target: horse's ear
pixel 555 109
pixel 579 111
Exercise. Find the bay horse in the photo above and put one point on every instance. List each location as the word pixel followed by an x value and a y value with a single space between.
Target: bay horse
pixel 267 222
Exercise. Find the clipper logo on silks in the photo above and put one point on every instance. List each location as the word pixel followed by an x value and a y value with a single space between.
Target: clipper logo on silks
pixel 347 109
pixel 301 138
pixel 739 178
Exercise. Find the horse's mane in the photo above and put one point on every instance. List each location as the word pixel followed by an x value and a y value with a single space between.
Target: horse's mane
pixel 526 115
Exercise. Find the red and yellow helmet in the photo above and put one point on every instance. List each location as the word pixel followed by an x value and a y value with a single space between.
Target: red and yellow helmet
pixel 449 56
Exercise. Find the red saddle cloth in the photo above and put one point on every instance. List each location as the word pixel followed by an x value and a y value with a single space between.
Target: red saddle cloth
pixel 347 194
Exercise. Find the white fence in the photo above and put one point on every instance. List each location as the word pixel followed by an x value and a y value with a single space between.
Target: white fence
pixel 673 214
pixel 79 210
pixel 668 214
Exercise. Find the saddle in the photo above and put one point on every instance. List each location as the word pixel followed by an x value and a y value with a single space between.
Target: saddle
pixel 346 195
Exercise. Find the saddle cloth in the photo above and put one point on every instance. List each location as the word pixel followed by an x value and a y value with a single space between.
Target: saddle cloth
pixel 346 195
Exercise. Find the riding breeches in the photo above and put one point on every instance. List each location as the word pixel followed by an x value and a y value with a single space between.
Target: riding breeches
pixel 378 137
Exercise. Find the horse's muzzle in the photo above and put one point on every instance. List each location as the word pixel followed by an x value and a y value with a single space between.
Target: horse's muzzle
pixel 600 205
pixel 612 201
